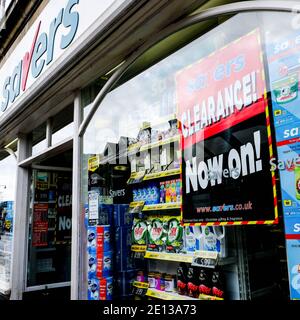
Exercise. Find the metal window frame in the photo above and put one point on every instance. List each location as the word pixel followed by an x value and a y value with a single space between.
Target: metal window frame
pixel 238 7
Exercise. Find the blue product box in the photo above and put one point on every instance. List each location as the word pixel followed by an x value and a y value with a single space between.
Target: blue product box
pixel 124 261
pixel 121 215
pixel 106 212
pixel 123 238
pixel 92 263
pixel 99 238
pixel 92 238
pixel 93 289
pixel 106 288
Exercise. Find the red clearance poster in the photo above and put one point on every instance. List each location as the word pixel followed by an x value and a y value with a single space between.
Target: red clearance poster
pixel 40 225
pixel 226 138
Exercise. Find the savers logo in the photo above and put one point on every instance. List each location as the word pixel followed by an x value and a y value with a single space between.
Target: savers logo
pixel 41 52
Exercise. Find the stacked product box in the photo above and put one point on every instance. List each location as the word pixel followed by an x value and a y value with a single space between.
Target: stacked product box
pixel 100 260
pixel 124 262
pixel 109 249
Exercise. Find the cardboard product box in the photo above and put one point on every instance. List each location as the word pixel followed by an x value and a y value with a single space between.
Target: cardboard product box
pixel 93 289
pixel 92 263
pixel 104 267
pixel 124 282
pixel 124 261
pixel 99 238
pixel 104 238
pixel 123 236
pixel 106 288
pixel 92 238
pixel 121 215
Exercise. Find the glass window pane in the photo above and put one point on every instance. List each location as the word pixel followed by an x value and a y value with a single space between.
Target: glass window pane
pixel 50 214
pixel 39 142
pixel 186 136
pixel 63 125
pixel 8 168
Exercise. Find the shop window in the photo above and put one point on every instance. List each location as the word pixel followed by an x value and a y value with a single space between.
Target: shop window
pixel 8 166
pixel 186 137
pixel 63 125
pixel 90 92
pixel 39 142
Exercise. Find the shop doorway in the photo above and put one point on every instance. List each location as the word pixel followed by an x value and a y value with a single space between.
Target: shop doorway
pixel 48 272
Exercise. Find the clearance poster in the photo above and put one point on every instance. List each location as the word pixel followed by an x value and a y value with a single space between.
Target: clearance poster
pixel 226 138
pixel 284 70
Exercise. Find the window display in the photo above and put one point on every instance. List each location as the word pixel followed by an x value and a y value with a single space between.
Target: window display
pixel 177 178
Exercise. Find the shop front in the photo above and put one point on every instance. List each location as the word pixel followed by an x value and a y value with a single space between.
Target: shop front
pixel 156 162
pixel 180 183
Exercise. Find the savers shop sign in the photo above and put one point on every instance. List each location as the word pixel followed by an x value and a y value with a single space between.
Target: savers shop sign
pixel 226 138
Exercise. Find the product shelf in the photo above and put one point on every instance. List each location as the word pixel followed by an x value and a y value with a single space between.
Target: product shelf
pixel 207 297
pixel 159 143
pixel 162 295
pixel 178 257
pixel 184 257
pixel 162 174
pixel 162 206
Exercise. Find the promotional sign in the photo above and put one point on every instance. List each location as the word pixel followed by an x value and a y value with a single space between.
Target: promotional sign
pixel 226 138
pixel 288 164
pixel 40 225
pixel 64 209
pixel 58 26
pixel 284 66
pixel 293 257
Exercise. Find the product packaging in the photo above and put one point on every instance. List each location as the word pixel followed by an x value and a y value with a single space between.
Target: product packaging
pixel 92 238
pixel 104 264
pixel 104 238
pixel 217 284
pixel 159 281
pixel 93 289
pixel 182 279
pixel 122 216
pixel 156 234
pixel 169 283
pixel 106 288
pixel 99 238
pixel 205 285
pixel 162 192
pixel 92 261
pixel 174 241
pixel 213 239
pixel 139 232
pixel 193 282
pixel 192 236
pixel 151 280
